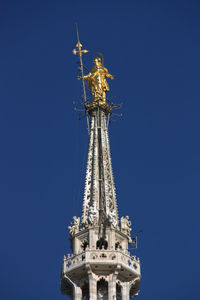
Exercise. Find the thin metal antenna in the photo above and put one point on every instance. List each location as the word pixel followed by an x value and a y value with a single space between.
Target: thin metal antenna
pixel 80 51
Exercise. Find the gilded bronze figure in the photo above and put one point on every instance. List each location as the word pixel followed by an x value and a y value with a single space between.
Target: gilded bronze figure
pixel 97 83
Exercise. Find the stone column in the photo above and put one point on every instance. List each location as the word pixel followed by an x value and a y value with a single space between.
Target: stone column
pixel 92 239
pixel 76 245
pixel 111 238
pixel 112 287
pixel 92 287
pixel 125 291
pixel 77 293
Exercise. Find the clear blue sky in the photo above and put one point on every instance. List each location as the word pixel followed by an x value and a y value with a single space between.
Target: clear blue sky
pixel 153 50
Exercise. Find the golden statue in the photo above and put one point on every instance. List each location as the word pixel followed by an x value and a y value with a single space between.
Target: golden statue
pixel 97 83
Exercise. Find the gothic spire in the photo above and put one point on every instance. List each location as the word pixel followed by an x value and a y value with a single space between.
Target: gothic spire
pixel 99 205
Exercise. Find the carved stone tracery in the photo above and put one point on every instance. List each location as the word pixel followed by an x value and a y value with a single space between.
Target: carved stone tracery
pixel 93 184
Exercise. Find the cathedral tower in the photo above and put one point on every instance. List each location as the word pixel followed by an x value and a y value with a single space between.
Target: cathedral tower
pixel 100 265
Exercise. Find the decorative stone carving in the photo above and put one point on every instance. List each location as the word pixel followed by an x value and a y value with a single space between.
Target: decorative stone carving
pixel 112 218
pixel 90 212
pixel 126 225
pixel 92 215
pixel 74 228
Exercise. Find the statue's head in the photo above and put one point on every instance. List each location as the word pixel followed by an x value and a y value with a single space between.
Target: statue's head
pixel 97 61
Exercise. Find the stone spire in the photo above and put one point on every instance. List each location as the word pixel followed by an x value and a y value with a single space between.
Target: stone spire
pixel 99 205
pixel 100 266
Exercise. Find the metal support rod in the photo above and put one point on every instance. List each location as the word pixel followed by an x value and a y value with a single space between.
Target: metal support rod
pixel 81 66
pixel 82 76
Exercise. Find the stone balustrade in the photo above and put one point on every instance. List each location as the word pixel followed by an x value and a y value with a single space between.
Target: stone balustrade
pixel 100 256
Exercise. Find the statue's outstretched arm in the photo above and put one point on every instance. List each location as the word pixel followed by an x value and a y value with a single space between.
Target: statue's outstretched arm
pixel 87 76
pixel 110 76
pixel 107 74
pixel 84 77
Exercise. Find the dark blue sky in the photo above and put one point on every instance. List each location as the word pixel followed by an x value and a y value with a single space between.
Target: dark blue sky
pixel 153 50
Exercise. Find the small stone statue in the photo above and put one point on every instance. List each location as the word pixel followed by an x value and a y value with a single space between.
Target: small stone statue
pixel 74 228
pixel 126 225
pixel 92 215
pixel 112 218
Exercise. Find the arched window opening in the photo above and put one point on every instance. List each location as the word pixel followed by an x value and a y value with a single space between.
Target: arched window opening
pixel 118 292
pixel 102 290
